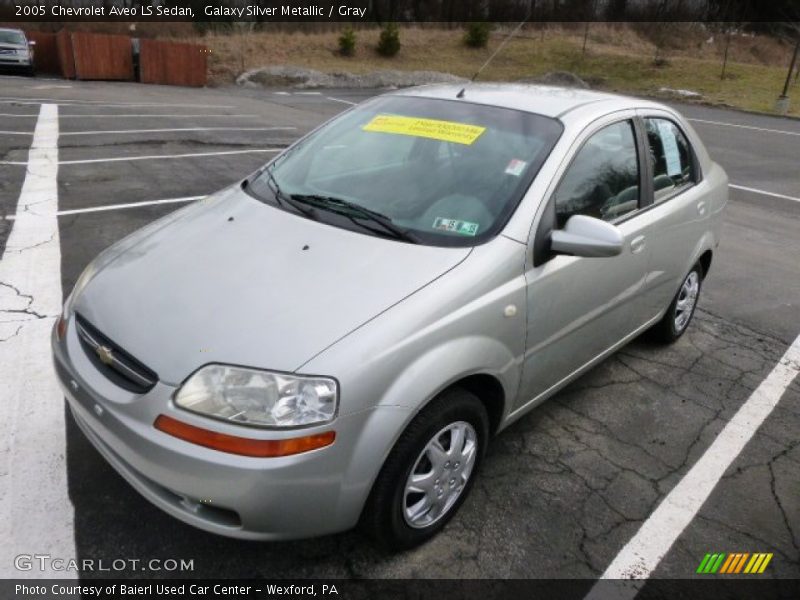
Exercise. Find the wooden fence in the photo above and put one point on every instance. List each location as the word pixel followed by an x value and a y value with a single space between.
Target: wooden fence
pixel 66 60
pixel 101 56
pixel 82 55
pixel 171 63
pixel 45 52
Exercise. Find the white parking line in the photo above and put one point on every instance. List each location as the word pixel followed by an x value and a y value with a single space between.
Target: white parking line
pixel 93 209
pixel 16 133
pixel 35 511
pixel 740 126
pixel 132 116
pixel 159 156
pixel 160 116
pixel 642 554
pixel 340 100
pixel 762 192
pixel 102 131
pixel 11 100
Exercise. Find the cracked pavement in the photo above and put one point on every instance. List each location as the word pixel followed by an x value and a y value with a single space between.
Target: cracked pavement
pixel 563 489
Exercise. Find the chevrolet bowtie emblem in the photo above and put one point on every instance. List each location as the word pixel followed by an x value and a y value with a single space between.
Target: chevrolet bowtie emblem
pixel 105 355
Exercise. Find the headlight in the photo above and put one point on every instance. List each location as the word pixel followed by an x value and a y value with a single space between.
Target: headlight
pixel 259 398
pixel 81 283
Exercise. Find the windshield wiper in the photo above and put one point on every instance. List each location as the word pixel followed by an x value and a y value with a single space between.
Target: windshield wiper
pixel 344 207
pixel 284 199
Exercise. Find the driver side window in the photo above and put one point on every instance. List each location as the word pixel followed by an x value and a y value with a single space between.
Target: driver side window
pixel 603 179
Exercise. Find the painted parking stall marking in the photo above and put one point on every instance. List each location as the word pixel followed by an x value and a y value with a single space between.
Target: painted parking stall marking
pixel 165 156
pixel 107 207
pixel 750 127
pixel 152 157
pixel 340 100
pixel 642 554
pixel 178 129
pixel 33 429
pixel 762 192
pixel 66 101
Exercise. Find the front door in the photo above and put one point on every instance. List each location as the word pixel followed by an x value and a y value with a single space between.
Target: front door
pixel 580 307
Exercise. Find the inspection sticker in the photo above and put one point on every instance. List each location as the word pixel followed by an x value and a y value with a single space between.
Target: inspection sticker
pixel 516 167
pixel 446 131
pixel 456 226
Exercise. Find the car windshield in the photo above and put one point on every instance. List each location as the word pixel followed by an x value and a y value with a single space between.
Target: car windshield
pixel 440 172
pixel 12 37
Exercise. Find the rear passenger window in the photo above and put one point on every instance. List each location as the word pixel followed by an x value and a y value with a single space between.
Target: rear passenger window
pixel 603 179
pixel 670 158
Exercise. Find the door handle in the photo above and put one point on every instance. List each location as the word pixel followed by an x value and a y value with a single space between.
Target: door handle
pixel 637 244
pixel 701 207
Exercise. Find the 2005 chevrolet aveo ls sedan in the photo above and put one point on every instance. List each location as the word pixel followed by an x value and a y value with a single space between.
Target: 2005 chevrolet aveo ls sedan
pixel 334 340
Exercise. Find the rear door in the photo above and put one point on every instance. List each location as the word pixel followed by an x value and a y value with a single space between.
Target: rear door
pixel 677 214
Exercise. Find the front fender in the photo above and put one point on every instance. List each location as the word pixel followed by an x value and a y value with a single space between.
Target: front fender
pixel 442 366
pixel 419 383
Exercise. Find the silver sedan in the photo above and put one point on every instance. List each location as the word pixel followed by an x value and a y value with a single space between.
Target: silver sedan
pixel 16 52
pixel 335 339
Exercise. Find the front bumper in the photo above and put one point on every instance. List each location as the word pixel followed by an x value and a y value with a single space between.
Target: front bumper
pixel 305 495
pixel 15 60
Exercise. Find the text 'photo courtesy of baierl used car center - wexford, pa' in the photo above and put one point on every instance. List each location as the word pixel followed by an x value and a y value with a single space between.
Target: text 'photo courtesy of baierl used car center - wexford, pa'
pixel 402 299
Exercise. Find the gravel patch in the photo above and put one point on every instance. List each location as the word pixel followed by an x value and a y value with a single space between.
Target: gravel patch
pixel 300 77
pixel 557 78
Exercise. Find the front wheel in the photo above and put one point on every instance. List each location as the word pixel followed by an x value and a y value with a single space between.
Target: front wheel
pixel 680 311
pixel 429 472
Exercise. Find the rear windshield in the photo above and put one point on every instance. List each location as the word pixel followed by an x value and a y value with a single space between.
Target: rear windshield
pixel 449 172
pixel 12 37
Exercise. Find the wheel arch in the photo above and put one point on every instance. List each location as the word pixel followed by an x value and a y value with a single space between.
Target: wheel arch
pixel 705 261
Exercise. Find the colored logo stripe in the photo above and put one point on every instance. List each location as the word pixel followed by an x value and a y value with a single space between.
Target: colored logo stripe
pixel 734 563
pixel 758 563
pixel 711 563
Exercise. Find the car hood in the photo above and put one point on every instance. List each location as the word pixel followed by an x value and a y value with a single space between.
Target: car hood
pixel 233 280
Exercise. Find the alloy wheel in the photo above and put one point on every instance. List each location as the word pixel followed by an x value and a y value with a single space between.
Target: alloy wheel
pixel 440 474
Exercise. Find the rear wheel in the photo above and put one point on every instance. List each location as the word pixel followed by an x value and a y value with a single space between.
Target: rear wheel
pixel 681 310
pixel 429 472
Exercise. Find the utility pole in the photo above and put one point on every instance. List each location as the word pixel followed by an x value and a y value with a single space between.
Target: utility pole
pixel 586 28
pixel 727 45
pixel 782 105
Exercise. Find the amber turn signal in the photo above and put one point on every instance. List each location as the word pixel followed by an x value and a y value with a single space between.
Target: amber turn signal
pixel 243 446
pixel 61 328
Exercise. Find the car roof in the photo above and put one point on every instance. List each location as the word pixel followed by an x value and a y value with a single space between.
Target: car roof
pixel 546 100
pixel 11 29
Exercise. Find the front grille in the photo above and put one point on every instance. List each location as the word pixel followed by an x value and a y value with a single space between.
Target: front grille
pixel 112 361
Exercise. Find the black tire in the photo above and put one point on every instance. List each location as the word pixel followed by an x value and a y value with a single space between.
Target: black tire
pixel 384 518
pixel 667 331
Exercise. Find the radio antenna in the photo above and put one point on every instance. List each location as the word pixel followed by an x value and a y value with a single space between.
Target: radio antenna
pixel 503 45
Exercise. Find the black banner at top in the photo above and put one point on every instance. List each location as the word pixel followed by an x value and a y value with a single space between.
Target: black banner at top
pixel 399 10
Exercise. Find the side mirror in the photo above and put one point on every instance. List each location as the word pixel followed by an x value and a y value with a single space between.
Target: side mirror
pixel 588 237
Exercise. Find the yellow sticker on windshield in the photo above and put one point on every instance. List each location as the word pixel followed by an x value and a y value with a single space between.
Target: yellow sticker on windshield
pixel 446 131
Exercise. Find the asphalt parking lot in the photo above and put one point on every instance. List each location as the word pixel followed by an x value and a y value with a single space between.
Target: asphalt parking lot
pixel 562 492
